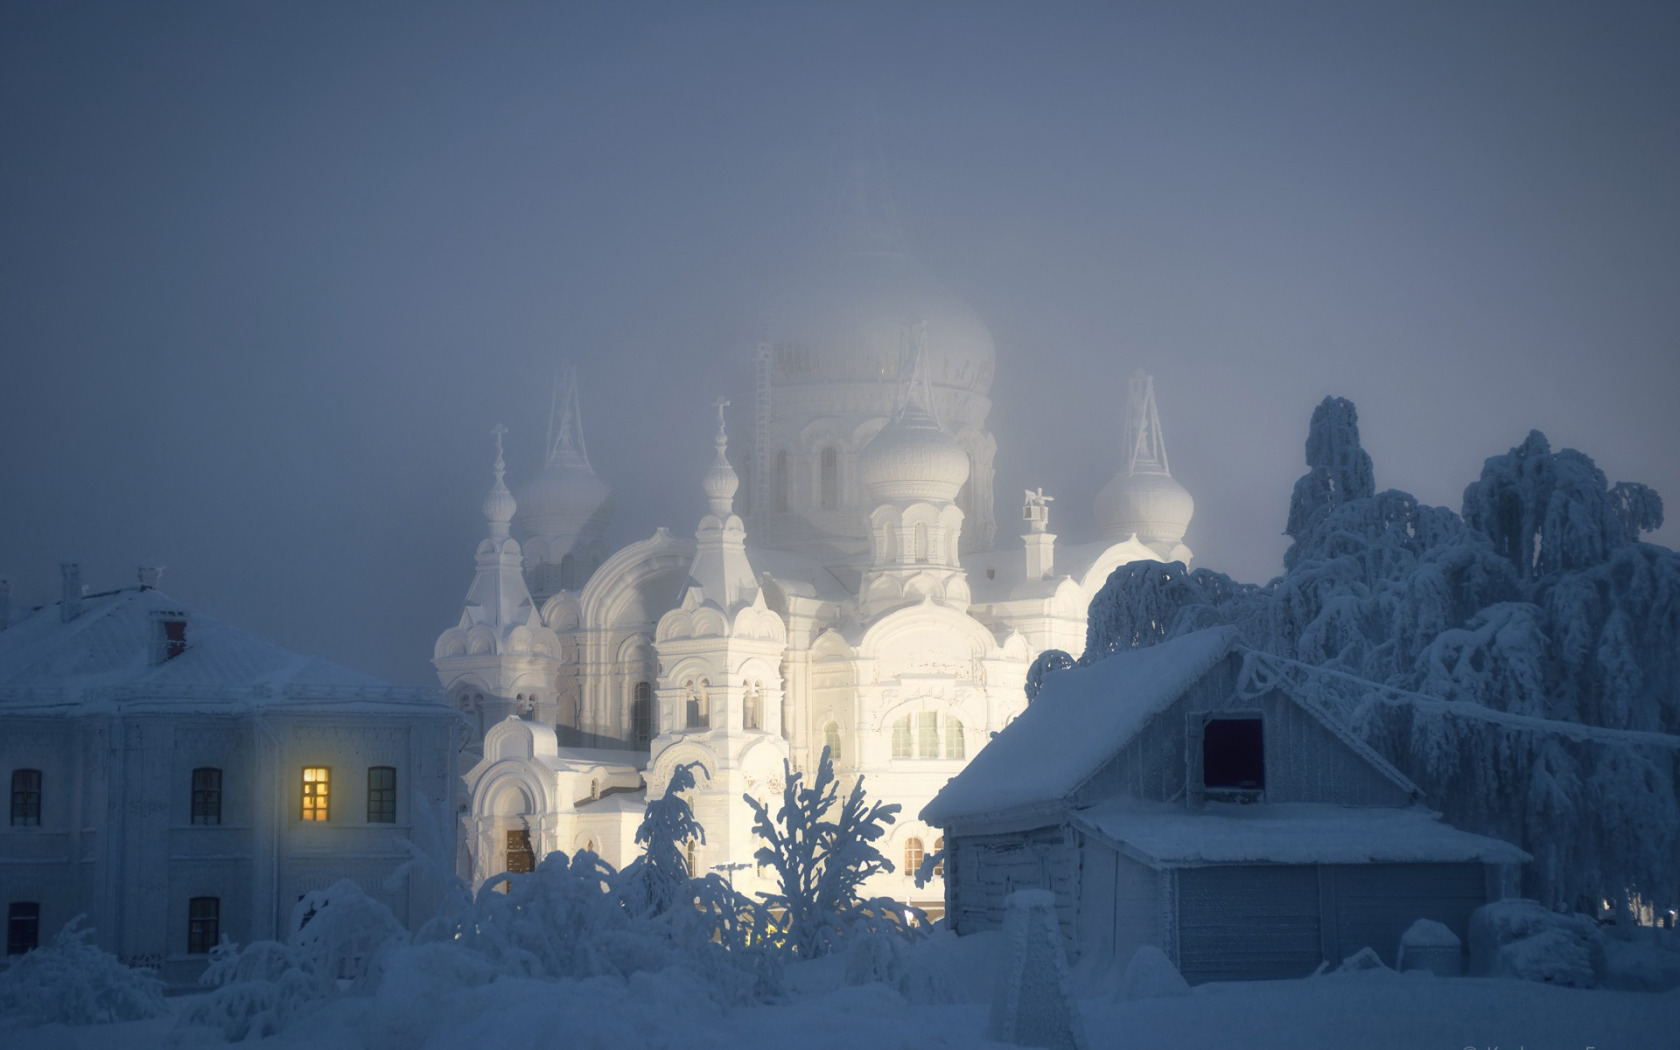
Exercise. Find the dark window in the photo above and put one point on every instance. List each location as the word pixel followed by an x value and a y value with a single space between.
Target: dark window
pixel 641 714
pixel 26 798
pixel 206 796
pixel 783 479
pixel 174 639
pixel 382 795
pixel 23 927
pixel 1234 754
pixel 204 924
pixel 830 490
pixel 520 857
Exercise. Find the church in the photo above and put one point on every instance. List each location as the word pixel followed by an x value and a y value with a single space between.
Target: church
pixel 847 587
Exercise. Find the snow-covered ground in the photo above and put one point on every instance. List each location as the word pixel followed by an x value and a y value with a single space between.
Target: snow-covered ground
pixel 1372 1010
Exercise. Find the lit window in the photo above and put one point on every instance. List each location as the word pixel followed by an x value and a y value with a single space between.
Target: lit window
pixel 382 795
pixel 831 740
pixel 316 782
pixel 204 924
pixel 901 738
pixel 26 798
pixel 913 853
pixel 954 739
pixel 23 927
pixel 641 714
pixel 521 858
pixel 927 734
pixel 939 868
pixel 206 796
pixel 689 855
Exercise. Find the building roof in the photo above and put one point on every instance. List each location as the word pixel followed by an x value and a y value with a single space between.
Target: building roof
pixel 1165 836
pixel 1080 718
pixel 108 653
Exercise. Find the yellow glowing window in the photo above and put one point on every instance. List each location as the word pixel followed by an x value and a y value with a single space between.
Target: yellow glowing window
pixel 316 780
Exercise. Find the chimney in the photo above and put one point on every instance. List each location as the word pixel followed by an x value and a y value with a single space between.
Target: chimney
pixel 70 603
pixel 5 603
pixel 149 577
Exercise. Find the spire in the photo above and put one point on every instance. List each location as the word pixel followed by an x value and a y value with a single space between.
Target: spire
pixel 917 396
pixel 721 481
pixel 721 569
pixel 1146 451
pixel 499 505
pixel 863 217
pixel 565 420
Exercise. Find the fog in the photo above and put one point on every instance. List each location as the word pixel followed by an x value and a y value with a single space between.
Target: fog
pixel 269 274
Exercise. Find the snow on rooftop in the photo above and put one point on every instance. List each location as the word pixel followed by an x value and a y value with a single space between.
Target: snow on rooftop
pixel 1291 833
pixel 1080 718
pixel 110 650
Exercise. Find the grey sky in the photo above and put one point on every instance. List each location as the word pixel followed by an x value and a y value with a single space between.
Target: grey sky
pixel 269 273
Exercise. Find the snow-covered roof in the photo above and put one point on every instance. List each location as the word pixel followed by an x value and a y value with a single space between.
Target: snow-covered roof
pixel 1165 836
pixel 1081 717
pixel 107 653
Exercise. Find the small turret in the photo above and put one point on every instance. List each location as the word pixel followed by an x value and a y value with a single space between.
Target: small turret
pixel 1040 543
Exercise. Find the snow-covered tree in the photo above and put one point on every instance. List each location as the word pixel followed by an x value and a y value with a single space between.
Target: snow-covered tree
pixel 73 982
pixel 821 862
pixel 1538 602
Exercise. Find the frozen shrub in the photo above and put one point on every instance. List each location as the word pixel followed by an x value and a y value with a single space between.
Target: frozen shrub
pixel 73 982
pixel 1524 939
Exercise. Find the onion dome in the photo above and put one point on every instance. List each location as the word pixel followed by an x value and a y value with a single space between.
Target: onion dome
pixel 721 481
pixel 1152 505
pixel 499 505
pixel 913 458
pixel 564 498
pixel 1142 499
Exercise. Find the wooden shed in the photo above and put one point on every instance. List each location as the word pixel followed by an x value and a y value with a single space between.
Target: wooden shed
pixel 1167 800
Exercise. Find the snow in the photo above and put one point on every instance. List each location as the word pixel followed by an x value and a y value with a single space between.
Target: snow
pixel 1288 833
pixel 1375 1010
pixel 1151 975
pixel 1033 1005
pixel 1430 945
pixel 1078 720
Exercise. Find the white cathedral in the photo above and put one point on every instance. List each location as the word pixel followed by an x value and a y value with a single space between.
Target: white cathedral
pixel 855 602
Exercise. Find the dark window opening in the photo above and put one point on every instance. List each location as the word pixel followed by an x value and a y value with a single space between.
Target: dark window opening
pixel 1234 754
pixel 382 795
pixel 641 716
pixel 206 796
pixel 23 927
pixel 204 924
pixel 174 638
pixel 521 858
pixel 830 488
pixel 26 798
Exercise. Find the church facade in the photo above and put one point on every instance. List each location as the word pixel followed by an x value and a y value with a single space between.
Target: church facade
pixel 845 588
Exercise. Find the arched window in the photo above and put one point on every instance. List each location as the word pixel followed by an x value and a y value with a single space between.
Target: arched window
pixel 953 739
pixel 641 720
pixel 204 924
pixel 939 868
pixel 749 706
pixel 921 541
pixel 689 856
pixel 692 703
pixel 927 734
pixel 568 572
pixel 831 740
pixel 913 853
pixel 780 501
pixel 901 738
pixel 830 488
